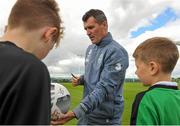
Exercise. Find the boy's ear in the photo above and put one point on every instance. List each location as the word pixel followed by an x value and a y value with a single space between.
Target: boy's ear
pixel 49 34
pixel 153 68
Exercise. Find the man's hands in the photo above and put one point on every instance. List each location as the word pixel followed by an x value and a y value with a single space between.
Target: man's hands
pixel 75 80
pixel 64 118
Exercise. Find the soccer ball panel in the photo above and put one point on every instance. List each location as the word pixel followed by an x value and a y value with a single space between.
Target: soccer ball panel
pixel 60 98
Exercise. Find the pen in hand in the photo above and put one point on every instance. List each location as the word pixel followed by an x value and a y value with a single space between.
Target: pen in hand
pixel 73 76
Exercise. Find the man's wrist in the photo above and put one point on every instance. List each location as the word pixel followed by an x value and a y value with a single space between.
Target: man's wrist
pixel 79 111
pixel 72 114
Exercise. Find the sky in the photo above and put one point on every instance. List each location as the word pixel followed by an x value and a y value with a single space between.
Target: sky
pixel 130 23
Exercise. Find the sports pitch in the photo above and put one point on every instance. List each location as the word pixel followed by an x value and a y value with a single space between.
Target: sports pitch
pixel 130 90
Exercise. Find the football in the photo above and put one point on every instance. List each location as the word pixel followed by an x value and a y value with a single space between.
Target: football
pixel 60 100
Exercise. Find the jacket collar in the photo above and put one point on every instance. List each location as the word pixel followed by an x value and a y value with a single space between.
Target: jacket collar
pixel 164 85
pixel 105 41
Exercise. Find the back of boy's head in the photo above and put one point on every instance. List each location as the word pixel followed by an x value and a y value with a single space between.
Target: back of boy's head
pixel 34 14
pixel 159 49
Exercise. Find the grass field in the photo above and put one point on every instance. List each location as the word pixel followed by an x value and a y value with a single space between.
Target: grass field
pixel 130 90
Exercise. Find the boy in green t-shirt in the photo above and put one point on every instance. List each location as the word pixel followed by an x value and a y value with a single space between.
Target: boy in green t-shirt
pixel 155 60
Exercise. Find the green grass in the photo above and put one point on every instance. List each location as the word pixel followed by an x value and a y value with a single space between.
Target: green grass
pixel 130 90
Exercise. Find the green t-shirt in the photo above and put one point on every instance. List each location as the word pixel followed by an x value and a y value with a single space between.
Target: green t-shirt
pixel 159 105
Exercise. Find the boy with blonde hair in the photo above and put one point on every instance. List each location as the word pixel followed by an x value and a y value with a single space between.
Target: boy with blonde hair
pixel 155 60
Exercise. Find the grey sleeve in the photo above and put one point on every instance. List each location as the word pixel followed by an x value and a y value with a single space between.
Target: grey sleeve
pixel 81 82
pixel 80 110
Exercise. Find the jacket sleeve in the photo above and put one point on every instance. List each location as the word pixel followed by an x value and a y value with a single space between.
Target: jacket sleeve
pixel 112 76
pixel 81 81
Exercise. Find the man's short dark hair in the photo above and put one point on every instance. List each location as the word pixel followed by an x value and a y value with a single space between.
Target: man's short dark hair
pixel 96 13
